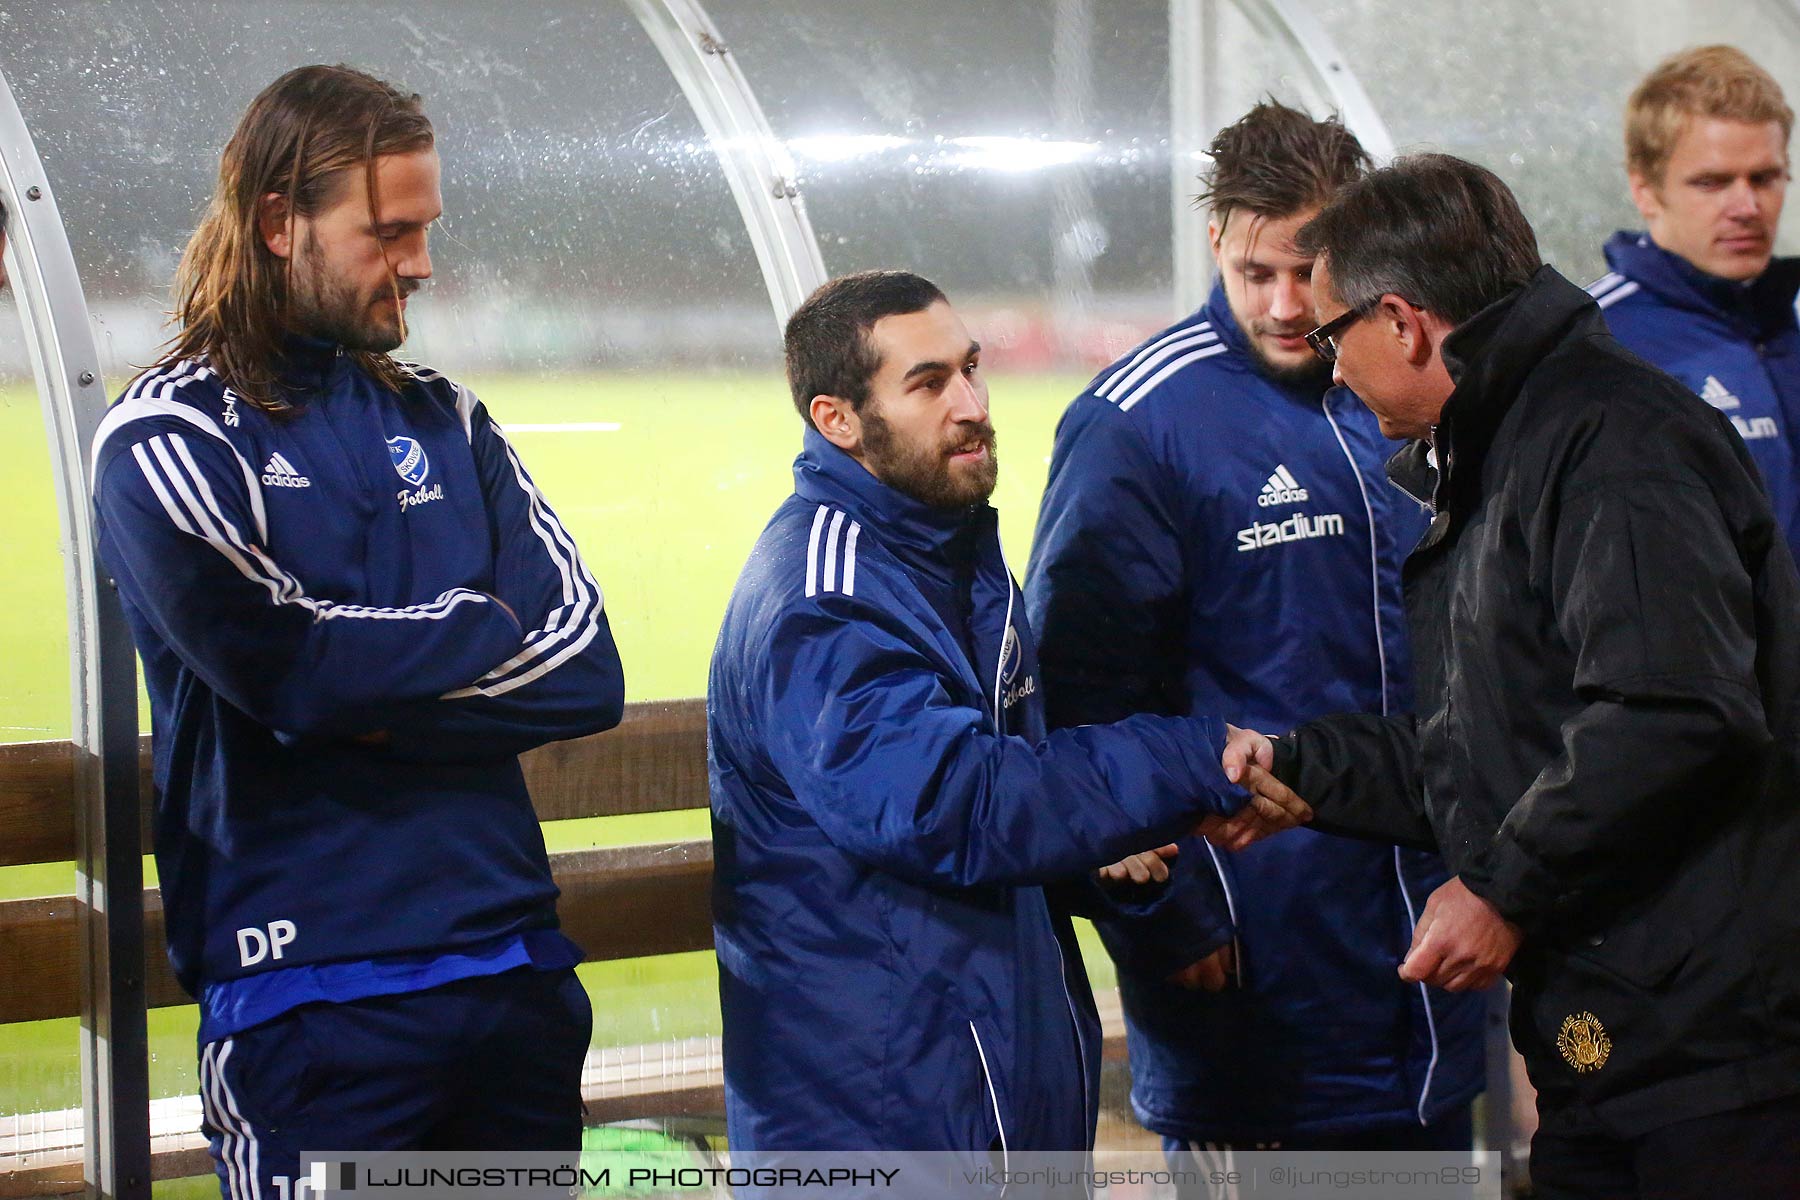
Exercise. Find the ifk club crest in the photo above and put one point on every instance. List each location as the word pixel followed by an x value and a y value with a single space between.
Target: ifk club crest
pixel 409 458
pixel 1583 1042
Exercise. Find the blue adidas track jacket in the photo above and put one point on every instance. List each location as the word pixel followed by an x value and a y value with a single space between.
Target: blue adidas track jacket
pixel 1737 345
pixel 369 562
pixel 886 815
pixel 1213 541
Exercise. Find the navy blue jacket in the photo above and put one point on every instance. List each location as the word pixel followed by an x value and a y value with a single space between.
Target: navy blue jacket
pixel 886 815
pixel 1735 344
pixel 1213 541
pixel 295 581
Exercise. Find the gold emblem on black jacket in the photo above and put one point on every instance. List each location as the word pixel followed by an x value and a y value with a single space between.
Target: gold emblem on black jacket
pixel 1583 1042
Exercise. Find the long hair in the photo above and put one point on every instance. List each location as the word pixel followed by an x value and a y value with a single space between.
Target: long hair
pixel 298 139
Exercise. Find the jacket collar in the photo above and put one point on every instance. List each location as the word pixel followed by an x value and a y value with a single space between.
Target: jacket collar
pixel 307 363
pixel 931 539
pixel 1761 308
pixel 1489 357
pixel 1217 311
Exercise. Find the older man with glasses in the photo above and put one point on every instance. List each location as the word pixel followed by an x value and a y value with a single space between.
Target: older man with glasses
pixel 1607 746
pixel 1170 577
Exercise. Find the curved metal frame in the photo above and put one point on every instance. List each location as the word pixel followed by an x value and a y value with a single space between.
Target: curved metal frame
pixel 1301 31
pixel 757 165
pixel 114 1042
pixel 1192 38
pixel 1193 42
pixel 764 184
pixel 109 877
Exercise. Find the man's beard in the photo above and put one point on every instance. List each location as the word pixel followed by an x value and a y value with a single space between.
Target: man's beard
pixel 1313 373
pixel 924 472
pixel 327 307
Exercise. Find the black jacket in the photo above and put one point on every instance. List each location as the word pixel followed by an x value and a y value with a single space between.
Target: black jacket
pixel 1606 633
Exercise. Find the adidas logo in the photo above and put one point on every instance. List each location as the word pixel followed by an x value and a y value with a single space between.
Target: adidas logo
pixel 279 472
pixel 1719 396
pixel 1282 488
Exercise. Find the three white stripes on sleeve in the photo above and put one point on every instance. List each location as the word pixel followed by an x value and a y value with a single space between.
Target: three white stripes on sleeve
pixel 181 487
pixel 830 536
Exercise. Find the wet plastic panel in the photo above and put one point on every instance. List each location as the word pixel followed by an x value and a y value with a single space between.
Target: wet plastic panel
pixel 34 683
pixel 1536 91
pixel 593 280
pixel 34 636
pixel 1018 155
pixel 593 284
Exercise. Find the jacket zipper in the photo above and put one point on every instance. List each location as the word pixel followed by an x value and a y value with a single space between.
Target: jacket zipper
pixel 1080 1042
pixel 1061 963
pixel 1006 636
pixel 1237 946
pixel 1424 995
pixel 987 1077
pixel 1381 650
pixel 1374 549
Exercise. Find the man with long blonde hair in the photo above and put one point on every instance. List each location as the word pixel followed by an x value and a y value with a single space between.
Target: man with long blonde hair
pixel 355 610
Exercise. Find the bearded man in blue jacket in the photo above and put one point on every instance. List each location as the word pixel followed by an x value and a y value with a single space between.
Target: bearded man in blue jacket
pixel 355 610
pixel 1699 293
pixel 897 842
pixel 1218 536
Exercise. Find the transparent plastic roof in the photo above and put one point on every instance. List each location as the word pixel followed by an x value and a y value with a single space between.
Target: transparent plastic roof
pixel 1033 158
pixel 593 280
pixel 34 637
pixel 1006 149
pixel 1536 91
pixel 582 202
pixel 1001 149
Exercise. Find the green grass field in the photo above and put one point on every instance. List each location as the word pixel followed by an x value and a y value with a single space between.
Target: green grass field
pixel 665 508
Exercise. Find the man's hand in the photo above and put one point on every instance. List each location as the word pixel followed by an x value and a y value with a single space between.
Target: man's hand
pixel 1273 805
pixel 1461 942
pixel 1245 748
pixel 1210 974
pixel 1149 867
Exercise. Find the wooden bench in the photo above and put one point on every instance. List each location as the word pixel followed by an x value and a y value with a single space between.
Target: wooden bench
pixel 40 1153
pixel 625 902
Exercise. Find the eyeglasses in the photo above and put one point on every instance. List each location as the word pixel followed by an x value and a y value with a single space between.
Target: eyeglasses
pixel 1323 340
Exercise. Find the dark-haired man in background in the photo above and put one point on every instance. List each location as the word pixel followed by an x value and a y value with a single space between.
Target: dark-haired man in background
pixel 1218 536
pixel 1699 292
pixel 1606 634
pixel 887 809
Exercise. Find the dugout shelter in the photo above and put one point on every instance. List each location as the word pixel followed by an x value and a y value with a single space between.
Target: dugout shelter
pixel 638 192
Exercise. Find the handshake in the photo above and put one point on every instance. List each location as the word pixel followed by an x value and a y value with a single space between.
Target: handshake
pixel 1460 942
pixel 1249 759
